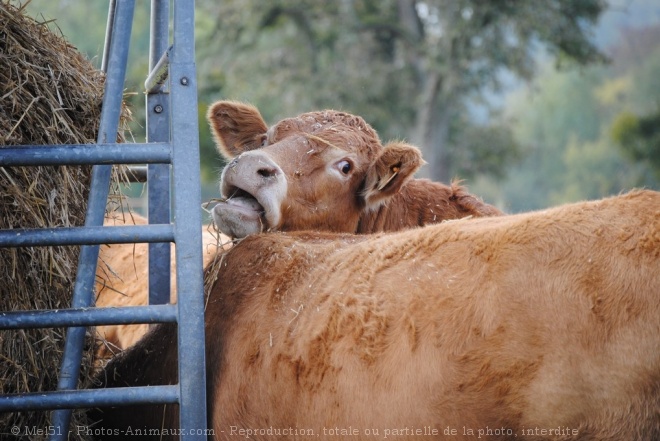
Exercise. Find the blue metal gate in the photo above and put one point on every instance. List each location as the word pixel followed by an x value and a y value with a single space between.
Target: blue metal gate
pixel 171 150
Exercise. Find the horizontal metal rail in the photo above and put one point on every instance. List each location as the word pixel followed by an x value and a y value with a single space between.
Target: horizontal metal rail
pixel 28 237
pixel 55 318
pixel 73 399
pixel 81 154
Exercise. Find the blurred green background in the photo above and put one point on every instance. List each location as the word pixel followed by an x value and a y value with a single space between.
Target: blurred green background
pixel 529 103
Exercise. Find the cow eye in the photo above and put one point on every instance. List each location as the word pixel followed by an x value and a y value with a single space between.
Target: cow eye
pixel 264 140
pixel 344 166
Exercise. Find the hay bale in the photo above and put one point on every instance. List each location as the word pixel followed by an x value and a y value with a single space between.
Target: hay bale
pixel 49 94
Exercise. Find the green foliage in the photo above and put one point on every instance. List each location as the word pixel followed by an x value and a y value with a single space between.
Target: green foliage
pixel 485 150
pixel 288 57
pixel 562 108
pixel 645 96
pixel 639 138
pixel 595 169
pixel 420 71
pixel 636 129
pixel 625 131
pixel 581 133
pixel 412 69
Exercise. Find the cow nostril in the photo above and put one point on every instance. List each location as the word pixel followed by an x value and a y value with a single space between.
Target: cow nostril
pixel 267 172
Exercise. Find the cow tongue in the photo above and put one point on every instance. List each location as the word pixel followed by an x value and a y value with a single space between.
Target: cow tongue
pixel 239 216
pixel 248 203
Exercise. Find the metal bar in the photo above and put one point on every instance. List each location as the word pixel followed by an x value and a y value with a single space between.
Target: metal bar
pixel 187 197
pixel 83 292
pixel 136 173
pixel 108 34
pixel 159 32
pixel 158 194
pixel 158 129
pixel 158 74
pixel 73 399
pixel 56 318
pixel 28 237
pixel 81 154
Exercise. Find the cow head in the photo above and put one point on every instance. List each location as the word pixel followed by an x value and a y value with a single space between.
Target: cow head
pixel 320 170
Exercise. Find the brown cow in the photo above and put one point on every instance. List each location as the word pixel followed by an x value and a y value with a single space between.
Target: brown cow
pixel 122 280
pixel 323 171
pixel 539 326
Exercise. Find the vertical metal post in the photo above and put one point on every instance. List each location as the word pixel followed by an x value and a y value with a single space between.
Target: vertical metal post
pixel 158 175
pixel 187 232
pixel 100 183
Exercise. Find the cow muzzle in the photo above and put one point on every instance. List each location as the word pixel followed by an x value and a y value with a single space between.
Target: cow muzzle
pixel 253 187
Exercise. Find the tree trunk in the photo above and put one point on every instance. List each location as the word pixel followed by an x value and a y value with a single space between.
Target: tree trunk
pixel 438 144
pixel 433 116
pixel 414 38
pixel 431 131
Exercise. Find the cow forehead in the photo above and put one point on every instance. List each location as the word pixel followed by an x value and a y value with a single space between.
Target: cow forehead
pixel 330 128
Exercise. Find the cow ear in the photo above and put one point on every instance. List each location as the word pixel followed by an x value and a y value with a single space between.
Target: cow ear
pixel 236 127
pixel 396 164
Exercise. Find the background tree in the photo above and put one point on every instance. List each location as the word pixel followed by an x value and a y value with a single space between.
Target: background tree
pixel 440 69
pixel 428 63
pixel 586 134
pixel 639 138
pixel 636 129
